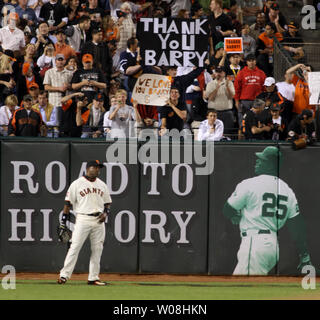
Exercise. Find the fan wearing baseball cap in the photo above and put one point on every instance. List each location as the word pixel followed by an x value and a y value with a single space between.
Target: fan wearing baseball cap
pixel 96 116
pixel 88 80
pixel 25 121
pixel 99 50
pixel 302 126
pixel 275 16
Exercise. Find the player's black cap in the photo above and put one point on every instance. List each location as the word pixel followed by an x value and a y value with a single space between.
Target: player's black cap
pixel 269 154
pixel 94 163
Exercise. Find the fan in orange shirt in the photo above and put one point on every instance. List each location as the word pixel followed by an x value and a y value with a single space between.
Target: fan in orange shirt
pixel 302 93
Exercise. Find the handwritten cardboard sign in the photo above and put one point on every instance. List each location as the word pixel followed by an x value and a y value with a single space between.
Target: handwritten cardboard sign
pixel 152 89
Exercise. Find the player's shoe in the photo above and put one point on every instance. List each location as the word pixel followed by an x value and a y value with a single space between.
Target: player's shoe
pixel 97 283
pixel 62 280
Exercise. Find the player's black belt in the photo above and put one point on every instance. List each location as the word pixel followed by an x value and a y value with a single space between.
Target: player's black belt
pixel 244 234
pixel 96 214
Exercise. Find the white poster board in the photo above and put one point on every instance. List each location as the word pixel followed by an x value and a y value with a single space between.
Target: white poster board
pixel 152 89
pixel 314 87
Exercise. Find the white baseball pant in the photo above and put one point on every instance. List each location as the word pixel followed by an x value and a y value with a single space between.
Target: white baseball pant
pixel 258 253
pixel 85 226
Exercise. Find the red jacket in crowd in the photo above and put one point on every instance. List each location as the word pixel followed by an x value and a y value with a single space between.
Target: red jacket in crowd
pixel 249 83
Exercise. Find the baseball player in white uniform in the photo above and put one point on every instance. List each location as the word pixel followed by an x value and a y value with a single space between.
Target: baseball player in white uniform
pixel 90 199
pixel 261 206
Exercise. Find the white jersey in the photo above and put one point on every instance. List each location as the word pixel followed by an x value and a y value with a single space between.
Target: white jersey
pixel 266 202
pixel 88 197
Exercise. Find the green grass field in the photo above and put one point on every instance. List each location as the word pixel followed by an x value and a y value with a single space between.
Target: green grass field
pixel 121 290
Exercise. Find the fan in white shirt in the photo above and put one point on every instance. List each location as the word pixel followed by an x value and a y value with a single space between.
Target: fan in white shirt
pixel 212 128
pixel 6 112
pixel 286 88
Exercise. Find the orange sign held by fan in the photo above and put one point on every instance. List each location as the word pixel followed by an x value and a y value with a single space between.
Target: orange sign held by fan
pixel 233 45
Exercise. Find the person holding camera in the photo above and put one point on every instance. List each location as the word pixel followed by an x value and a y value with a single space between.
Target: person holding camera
pixel 302 92
pixel 75 114
pixel 126 26
pixel 277 124
pixel 122 117
pixel 301 130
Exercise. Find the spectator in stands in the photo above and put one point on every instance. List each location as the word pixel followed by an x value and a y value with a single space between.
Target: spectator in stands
pixel 183 14
pixel 110 30
pixel 73 12
pixel 6 112
pixel 93 8
pixel 107 123
pixel 26 12
pixel 61 47
pixel 55 14
pixel 196 10
pixel 34 92
pixel 234 66
pixel 88 80
pixel 265 48
pixel 25 121
pixel 248 84
pixel 252 127
pixel 219 57
pixel 11 37
pixel 72 64
pixel 121 116
pixel 7 82
pixel 100 53
pixel 57 82
pixel 48 113
pixel 302 93
pixel 219 93
pixel 130 64
pixel 26 79
pixel 212 128
pixel 270 96
pixel 174 114
pixel 29 55
pixel 146 117
pixel 277 18
pixel 75 114
pixel 287 91
pixel 249 44
pixel 42 39
pixel 277 124
pixel 126 27
pixel 94 127
pixel 184 81
pixel 257 28
pixel 250 9
pixel 302 127
pixel 77 33
pixel 47 60
pixel 292 36
pixel 220 25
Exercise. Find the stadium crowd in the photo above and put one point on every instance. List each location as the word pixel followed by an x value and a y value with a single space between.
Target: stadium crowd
pixel 68 69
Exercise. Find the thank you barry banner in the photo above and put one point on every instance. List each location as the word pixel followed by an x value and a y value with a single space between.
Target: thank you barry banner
pixel 152 89
pixel 173 42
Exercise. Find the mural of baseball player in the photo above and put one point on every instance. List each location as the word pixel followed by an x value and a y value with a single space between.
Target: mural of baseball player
pixel 261 206
pixel 90 199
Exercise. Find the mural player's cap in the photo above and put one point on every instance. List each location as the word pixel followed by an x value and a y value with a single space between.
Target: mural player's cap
pixel 269 154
